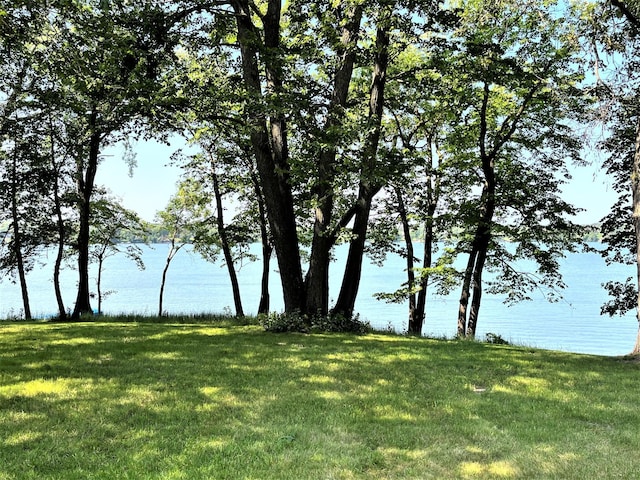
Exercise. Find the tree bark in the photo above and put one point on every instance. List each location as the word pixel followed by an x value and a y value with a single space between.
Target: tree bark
pixel 17 239
pixel 86 179
pixel 263 306
pixel 433 192
pixel 482 235
pixel 369 187
pixel 413 327
pixel 226 248
pixel 634 21
pixel 172 253
pixel 465 293
pixel 635 182
pixel 62 236
pixel 427 259
pixel 269 141
pixel 317 279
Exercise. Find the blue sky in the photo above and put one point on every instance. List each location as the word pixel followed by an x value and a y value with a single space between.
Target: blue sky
pixel 154 181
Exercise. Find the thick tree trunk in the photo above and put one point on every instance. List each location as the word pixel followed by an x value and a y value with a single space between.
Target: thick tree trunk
pixel 263 306
pixel 86 179
pixel 317 279
pixel 369 186
pixel 477 257
pixel 477 292
pixel 269 141
pixel 353 268
pixel 226 248
pixel 482 236
pixel 465 294
pixel 635 181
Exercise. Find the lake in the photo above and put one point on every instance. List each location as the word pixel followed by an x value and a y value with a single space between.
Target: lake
pixel 196 286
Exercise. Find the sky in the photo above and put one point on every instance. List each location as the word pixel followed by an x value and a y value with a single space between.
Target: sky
pixel 154 181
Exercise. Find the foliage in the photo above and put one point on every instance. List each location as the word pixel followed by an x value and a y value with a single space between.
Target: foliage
pixel 297 322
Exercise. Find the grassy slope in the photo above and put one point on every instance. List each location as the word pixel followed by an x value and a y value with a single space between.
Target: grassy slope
pixel 126 400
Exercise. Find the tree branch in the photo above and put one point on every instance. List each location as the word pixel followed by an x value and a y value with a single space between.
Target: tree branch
pixel 628 14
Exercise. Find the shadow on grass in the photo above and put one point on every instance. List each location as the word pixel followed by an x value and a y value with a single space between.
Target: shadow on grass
pixel 138 400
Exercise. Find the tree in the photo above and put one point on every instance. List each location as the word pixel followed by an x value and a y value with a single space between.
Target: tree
pixel 103 62
pixel 521 95
pixel 23 173
pixel 620 97
pixel 109 220
pixel 183 213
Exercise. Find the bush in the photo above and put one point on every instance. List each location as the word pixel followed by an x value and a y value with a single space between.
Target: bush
pixel 496 339
pixel 284 322
pixel 298 322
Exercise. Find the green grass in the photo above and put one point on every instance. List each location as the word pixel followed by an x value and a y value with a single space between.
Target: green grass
pixel 215 401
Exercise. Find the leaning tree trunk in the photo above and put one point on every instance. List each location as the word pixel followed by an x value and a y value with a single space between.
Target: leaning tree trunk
pixel 269 141
pixel 369 187
pixel 62 314
pixel 317 279
pixel 635 179
pixel 226 248
pixel 85 189
pixel 173 249
pixel 465 294
pixel 353 270
pixel 478 256
pixel 477 292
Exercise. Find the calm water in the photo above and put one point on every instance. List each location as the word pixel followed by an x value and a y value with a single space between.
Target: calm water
pixel 195 286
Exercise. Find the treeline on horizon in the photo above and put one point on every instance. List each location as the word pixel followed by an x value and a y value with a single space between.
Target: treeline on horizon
pixel 155 232
pixel 312 124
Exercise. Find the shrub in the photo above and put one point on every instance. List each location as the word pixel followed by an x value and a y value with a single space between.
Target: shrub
pixel 298 322
pixel 495 339
pixel 284 322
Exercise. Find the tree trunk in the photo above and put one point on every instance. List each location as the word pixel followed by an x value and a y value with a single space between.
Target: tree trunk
pixel 226 248
pixel 427 259
pixel 317 279
pixel 353 269
pixel 465 293
pixel 269 141
pixel 62 313
pixel 99 284
pixel 478 256
pixel 263 306
pixel 17 240
pixel 635 180
pixel 369 186
pixel 477 292
pixel 172 253
pixel 85 189
pixel 414 326
pixel 482 235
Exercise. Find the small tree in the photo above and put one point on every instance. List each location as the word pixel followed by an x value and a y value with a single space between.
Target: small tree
pixel 184 211
pixel 109 221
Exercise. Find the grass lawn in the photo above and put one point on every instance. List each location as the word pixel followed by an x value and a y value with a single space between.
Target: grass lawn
pixel 216 401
